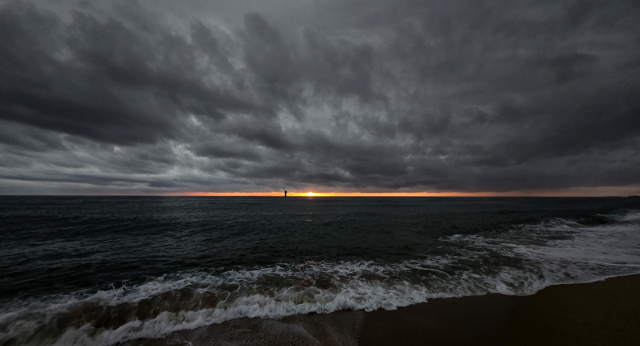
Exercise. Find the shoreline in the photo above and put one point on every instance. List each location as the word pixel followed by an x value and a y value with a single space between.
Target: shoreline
pixel 605 312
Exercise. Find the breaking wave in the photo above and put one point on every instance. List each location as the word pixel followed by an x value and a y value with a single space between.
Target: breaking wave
pixel 520 261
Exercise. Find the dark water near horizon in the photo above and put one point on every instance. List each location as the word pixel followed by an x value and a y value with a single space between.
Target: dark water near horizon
pixel 102 270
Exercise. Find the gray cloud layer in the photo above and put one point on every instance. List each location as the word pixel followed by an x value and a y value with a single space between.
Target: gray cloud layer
pixel 145 97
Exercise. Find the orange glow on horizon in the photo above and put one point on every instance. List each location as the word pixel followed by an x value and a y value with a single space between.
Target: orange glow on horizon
pixel 339 194
pixel 602 191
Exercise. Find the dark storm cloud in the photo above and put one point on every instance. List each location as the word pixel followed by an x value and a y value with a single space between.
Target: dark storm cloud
pixel 105 80
pixel 471 96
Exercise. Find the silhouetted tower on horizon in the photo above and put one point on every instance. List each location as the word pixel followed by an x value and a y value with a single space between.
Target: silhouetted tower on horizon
pixel 285 193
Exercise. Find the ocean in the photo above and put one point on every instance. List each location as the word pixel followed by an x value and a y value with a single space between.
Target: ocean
pixel 109 270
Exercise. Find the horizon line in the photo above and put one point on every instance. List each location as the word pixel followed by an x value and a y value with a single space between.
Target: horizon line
pixel 318 196
pixel 390 194
pixel 600 191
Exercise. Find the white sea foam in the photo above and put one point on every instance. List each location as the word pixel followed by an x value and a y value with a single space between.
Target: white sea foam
pixel 630 216
pixel 518 262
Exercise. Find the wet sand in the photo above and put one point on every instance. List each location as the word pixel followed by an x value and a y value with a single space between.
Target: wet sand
pixel 600 313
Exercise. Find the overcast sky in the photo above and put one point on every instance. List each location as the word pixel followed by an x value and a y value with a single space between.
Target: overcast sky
pixel 152 97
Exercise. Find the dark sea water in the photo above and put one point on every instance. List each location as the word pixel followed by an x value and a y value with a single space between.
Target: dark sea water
pixel 104 270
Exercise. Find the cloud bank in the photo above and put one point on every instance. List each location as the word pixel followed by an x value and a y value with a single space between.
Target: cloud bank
pixel 141 97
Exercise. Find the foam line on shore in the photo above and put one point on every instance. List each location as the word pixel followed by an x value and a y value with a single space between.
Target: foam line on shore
pixel 520 261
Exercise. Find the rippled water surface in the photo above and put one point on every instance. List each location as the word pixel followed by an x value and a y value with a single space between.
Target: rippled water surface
pixel 85 270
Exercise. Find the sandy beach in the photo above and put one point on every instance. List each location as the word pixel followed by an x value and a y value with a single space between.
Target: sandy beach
pixel 599 313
